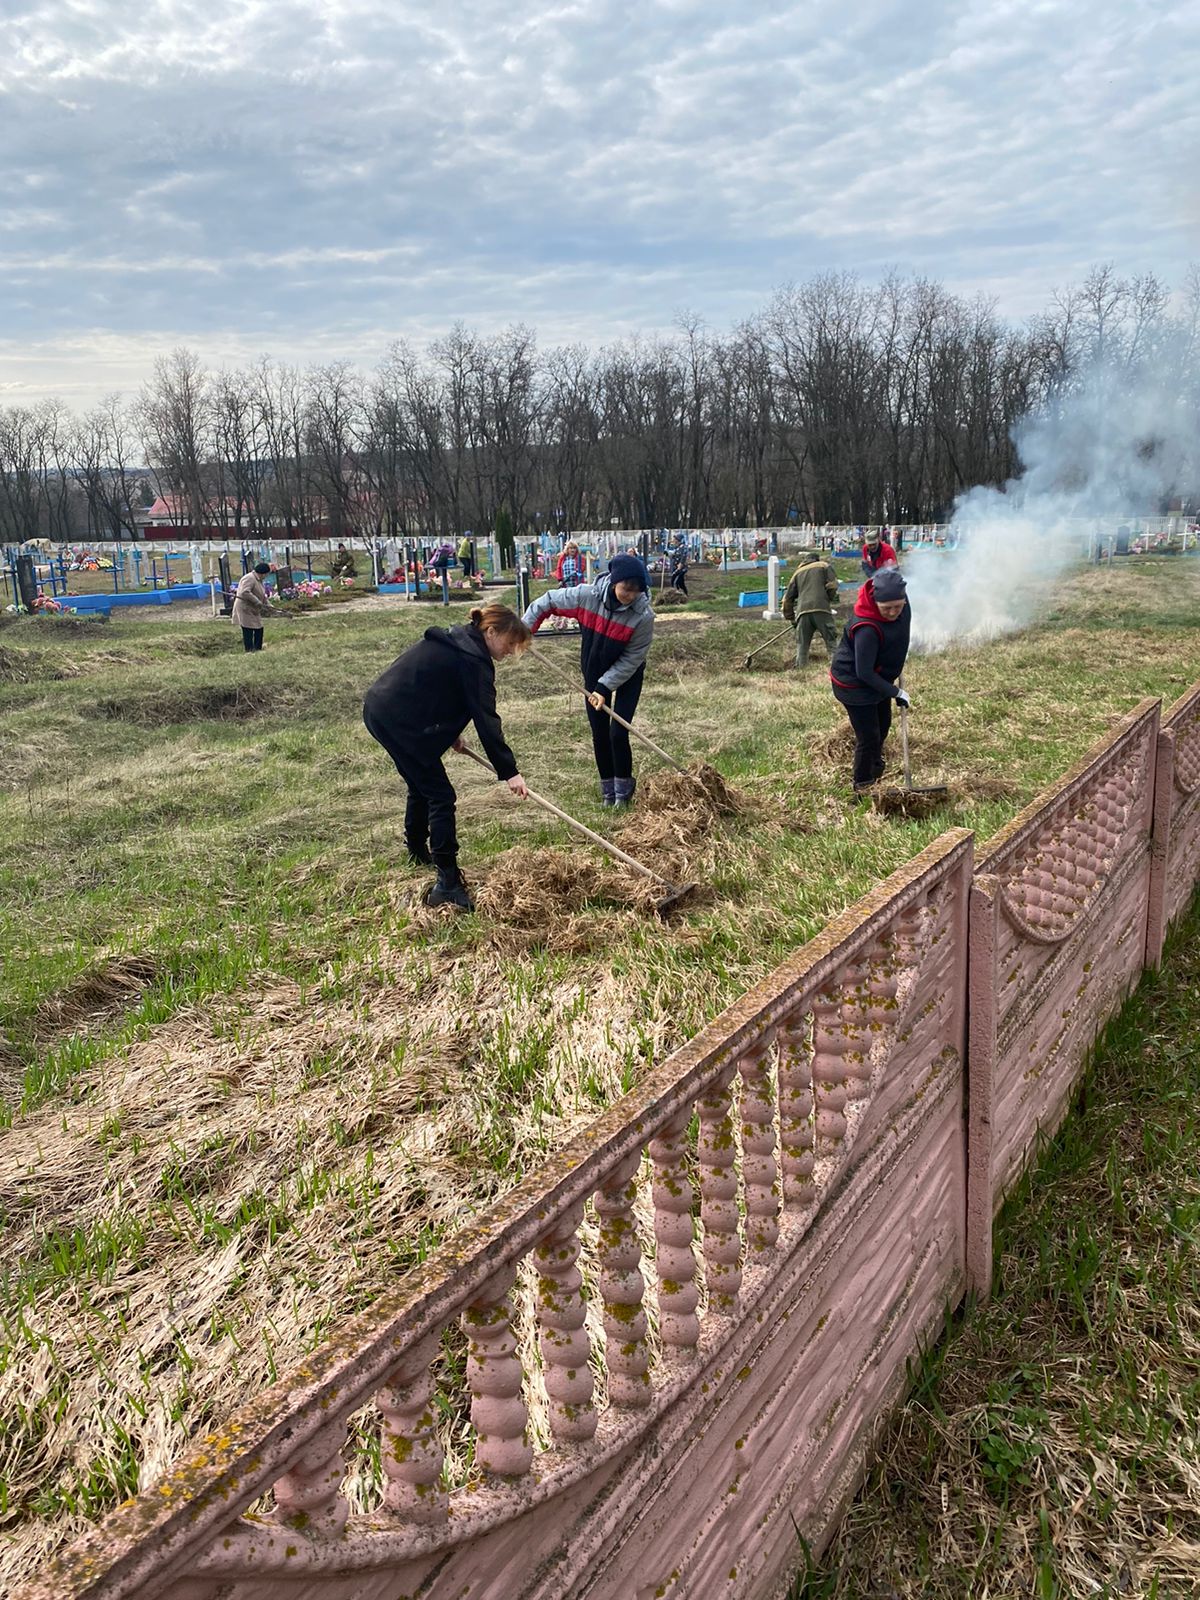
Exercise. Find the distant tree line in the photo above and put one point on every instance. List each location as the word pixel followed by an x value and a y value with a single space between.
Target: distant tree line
pixel 838 402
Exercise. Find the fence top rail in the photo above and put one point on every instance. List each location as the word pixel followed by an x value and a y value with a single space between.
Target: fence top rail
pixel 208 1488
pixel 1183 710
pixel 996 855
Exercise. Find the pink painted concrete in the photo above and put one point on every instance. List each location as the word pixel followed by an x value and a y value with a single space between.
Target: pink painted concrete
pixel 1059 913
pixel 1177 820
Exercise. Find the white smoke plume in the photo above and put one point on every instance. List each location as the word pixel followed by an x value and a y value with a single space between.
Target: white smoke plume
pixel 1108 449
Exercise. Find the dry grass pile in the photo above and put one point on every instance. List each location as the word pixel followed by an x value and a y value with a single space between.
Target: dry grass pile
pixel 835 747
pixel 702 791
pixel 532 889
pixel 109 985
pixel 916 803
pixel 223 702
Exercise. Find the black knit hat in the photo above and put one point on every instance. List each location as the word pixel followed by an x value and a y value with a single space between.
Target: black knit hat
pixel 888 584
pixel 628 569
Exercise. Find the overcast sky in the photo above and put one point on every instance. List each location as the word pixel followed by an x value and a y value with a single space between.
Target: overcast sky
pixel 316 179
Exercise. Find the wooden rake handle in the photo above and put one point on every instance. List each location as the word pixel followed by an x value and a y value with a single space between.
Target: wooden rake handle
pixel 580 827
pixel 775 637
pixel 628 726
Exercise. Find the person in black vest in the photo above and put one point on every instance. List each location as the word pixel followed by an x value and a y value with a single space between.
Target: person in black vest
pixel 866 666
pixel 418 709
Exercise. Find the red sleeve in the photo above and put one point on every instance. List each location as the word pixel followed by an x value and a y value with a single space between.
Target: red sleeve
pixel 889 554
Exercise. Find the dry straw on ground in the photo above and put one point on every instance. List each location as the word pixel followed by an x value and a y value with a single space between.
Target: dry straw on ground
pixel 277 1161
pixel 109 985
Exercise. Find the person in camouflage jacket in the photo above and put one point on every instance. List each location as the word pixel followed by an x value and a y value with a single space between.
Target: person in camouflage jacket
pixel 809 602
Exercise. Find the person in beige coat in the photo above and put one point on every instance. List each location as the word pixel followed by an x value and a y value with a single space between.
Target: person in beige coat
pixel 251 605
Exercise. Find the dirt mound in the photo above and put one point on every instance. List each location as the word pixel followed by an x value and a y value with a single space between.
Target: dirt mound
pixel 62 624
pixel 31 666
pixel 105 988
pixel 224 702
pixel 202 644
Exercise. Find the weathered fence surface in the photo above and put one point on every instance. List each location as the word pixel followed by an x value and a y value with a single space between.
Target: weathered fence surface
pixel 1059 912
pixel 724 1280
pixel 1176 820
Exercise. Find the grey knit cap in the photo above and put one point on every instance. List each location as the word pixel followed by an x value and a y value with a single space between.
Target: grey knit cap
pixel 887 585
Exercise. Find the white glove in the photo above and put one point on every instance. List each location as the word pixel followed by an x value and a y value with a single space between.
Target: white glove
pixel 902 698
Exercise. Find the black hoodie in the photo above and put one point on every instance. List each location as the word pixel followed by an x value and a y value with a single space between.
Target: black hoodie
pixel 429 695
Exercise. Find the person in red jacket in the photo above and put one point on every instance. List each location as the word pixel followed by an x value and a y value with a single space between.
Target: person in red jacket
pixel 876 553
pixel 866 667
pixel 569 569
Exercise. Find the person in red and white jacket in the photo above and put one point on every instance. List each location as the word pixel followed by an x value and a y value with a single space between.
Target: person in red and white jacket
pixel 617 626
pixel 876 553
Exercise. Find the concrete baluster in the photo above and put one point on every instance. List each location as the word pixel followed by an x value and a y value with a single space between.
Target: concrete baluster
pixel 621 1289
pixel 494 1375
pixel 674 1229
pixel 309 1497
pixel 412 1455
pixel 760 1170
pixel 832 1041
pixel 563 1338
pixel 794 1068
pixel 717 1152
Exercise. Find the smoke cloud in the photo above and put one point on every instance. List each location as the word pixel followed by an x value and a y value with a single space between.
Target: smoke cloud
pixel 1111 447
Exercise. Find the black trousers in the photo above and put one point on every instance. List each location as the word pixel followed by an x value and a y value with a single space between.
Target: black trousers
pixel 610 742
pixel 252 638
pixel 468 566
pixel 429 815
pixel 679 581
pixel 871 725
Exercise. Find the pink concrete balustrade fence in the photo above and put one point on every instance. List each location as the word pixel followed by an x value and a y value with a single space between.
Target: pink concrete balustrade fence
pixel 682 1334
pixel 1059 911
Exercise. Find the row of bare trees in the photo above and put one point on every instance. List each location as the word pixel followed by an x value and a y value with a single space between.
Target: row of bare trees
pixel 840 402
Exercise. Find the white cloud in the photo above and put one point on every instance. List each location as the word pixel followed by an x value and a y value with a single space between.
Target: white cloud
pixel 218 173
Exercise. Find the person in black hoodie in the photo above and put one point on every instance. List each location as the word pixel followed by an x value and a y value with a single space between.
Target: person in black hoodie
pixel 418 709
pixel 866 666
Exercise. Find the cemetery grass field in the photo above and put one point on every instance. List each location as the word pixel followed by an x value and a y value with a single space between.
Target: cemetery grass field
pixel 246 1079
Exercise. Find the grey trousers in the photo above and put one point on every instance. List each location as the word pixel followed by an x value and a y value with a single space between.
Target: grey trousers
pixel 808 623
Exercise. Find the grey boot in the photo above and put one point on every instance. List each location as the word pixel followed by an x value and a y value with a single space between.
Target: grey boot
pixel 608 791
pixel 624 790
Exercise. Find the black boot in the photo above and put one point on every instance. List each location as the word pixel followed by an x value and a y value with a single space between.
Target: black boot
pixel 419 855
pixel 449 890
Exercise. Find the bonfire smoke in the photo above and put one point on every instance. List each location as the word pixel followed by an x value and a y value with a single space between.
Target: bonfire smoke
pixel 1112 445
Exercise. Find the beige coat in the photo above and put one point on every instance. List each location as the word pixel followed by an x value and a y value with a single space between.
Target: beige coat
pixel 251 604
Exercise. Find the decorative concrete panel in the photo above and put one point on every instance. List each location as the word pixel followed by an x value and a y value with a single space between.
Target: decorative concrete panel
pixel 1177 820
pixel 727 1276
pixel 1058 937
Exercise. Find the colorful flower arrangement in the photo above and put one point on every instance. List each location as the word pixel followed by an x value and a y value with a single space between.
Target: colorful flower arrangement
pixel 307 589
